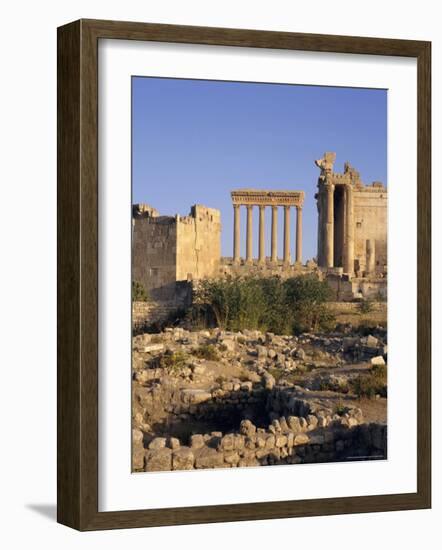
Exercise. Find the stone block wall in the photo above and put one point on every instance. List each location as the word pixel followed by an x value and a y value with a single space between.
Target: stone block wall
pixel 370 218
pixel 145 314
pixel 349 312
pixel 268 269
pixel 169 250
pixel 154 248
pixel 297 431
pixel 198 244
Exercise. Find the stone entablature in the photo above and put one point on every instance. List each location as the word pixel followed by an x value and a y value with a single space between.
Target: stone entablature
pixel 262 199
pixel 258 197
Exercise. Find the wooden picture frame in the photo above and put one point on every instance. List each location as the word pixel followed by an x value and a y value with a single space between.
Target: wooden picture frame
pixel 78 274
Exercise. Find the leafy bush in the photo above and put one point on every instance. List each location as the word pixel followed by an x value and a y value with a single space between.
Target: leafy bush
pixel 372 384
pixel 268 304
pixel 340 409
pixel 139 293
pixel 206 351
pixel 173 362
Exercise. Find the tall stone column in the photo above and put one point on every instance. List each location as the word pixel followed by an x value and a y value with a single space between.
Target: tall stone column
pixel 274 251
pixel 370 267
pixel 286 234
pixel 236 233
pixel 349 231
pixel 249 243
pixel 329 225
pixel 299 234
pixel 262 256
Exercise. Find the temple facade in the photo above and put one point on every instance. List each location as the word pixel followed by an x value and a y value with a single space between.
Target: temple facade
pixel 352 221
pixel 251 198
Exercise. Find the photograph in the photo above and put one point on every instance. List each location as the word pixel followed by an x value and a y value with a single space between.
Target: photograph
pixel 259 274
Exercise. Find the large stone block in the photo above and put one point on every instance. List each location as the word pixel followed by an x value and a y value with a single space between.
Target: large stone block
pixel 158 460
pixel 209 458
pixel 183 459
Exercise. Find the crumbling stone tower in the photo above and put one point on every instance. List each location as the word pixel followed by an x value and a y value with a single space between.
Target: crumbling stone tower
pixel 170 251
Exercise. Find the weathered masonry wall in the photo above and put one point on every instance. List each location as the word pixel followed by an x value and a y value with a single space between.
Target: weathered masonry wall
pixel 297 431
pixel 145 314
pixel 169 250
pixel 370 216
pixel 154 246
pixel 198 243
pixel 352 221
pixel 350 312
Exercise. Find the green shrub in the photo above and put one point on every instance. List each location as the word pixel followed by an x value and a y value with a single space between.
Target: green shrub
pixel 340 409
pixel 267 304
pixel 371 384
pixel 206 351
pixel 139 293
pixel 173 362
pixel 379 372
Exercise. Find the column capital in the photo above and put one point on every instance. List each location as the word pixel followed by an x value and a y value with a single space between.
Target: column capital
pixel 249 206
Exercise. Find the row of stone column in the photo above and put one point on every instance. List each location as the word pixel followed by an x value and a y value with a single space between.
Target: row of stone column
pixel 274 234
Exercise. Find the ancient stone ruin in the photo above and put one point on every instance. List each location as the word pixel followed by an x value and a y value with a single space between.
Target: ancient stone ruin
pixel 169 252
pixel 352 221
pixel 216 398
pixel 273 199
pixel 208 399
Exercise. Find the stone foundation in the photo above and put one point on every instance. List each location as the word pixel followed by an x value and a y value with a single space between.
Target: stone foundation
pixel 267 268
pixel 145 314
pixel 249 425
pixel 350 312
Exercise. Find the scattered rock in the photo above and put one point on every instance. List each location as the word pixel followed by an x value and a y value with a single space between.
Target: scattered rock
pixel 269 381
pixel 196 396
pixel 150 348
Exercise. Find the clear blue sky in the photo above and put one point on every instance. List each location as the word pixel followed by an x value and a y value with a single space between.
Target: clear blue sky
pixel 195 140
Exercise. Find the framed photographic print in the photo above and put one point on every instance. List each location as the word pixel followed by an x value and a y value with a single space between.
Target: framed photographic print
pixel 243 275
